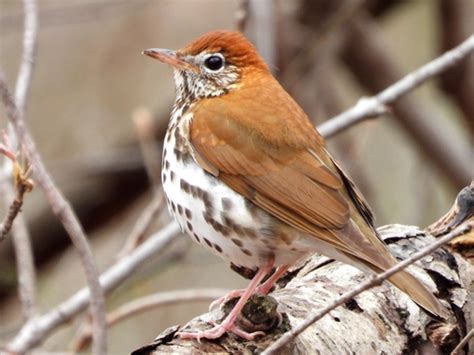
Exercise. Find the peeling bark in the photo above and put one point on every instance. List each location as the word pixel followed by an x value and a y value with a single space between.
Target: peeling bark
pixel 382 320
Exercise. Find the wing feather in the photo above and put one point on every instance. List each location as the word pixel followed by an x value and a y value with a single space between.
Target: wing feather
pixel 291 178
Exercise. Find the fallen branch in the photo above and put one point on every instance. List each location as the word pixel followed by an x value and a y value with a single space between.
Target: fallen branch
pixel 376 281
pixel 367 319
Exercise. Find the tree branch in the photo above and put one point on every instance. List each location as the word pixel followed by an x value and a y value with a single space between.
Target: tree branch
pixel 381 319
pixel 26 273
pixel 63 210
pixel 376 281
pixel 34 332
pixel 364 49
pixel 146 303
pixel 377 105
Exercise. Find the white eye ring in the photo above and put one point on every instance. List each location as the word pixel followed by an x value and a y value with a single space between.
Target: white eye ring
pixel 214 62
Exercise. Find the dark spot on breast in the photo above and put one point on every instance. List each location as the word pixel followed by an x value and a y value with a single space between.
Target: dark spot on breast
pixel 226 204
pixel 208 242
pixel 173 206
pixel 197 238
pixel 163 177
pixel 184 186
pixel 180 209
pixel 172 175
pixel 218 248
pixel 177 153
pixel 167 164
pixel 190 226
pixel 206 200
pixel 187 213
pixel 250 232
pixel 246 252
pixel 237 242
pixel 252 208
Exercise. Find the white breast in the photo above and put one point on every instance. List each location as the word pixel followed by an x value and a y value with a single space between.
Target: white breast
pixel 210 212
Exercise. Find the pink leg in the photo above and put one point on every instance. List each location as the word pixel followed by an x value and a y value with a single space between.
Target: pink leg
pixel 263 288
pixel 229 322
pixel 267 285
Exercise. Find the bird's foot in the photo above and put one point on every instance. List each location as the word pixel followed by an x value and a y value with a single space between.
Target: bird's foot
pixel 220 302
pixel 224 299
pixel 218 330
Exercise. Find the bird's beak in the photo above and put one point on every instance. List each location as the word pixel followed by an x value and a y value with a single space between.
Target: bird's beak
pixel 169 57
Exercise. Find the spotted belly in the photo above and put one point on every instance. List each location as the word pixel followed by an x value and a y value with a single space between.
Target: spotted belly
pixel 217 217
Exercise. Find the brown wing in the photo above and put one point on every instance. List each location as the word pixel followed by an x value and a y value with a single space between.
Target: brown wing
pixel 269 152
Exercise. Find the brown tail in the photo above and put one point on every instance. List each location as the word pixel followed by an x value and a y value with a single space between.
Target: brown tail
pixel 365 246
pixel 419 293
pixel 372 252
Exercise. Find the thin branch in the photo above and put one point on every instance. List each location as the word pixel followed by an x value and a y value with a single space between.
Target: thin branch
pixel 65 213
pixel 463 343
pixel 14 208
pixel 26 273
pixel 241 15
pixel 456 24
pixel 376 105
pixel 137 235
pixel 36 330
pixel 146 303
pixel 375 281
pixel 30 35
pixel 265 32
pixel 144 123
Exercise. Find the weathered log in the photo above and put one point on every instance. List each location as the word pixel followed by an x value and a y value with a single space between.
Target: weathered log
pixel 382 320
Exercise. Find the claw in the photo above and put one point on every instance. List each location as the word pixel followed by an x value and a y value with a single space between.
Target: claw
pixel 218 330
pixel 224 299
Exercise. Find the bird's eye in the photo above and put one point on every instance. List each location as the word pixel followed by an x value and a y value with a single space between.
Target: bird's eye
pixel 214 62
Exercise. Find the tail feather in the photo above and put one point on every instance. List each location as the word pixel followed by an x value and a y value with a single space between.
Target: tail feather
pixel 419 293
pixel 368 249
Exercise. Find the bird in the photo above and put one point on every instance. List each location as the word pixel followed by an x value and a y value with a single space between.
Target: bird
pixel 247 176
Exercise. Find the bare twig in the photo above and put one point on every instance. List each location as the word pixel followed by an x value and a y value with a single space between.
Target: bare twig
pixel 149 214
pixel 24 259
pixel 146 303
pixel 15 206
pixel 376 105
pixel 35 331
pixel 63 210
pixel 241 14
pixel 143 120
pixel 375 281
pixel 463 343
pixel 28 56
pixel 265 31
pixel 456 24
pixel 364 49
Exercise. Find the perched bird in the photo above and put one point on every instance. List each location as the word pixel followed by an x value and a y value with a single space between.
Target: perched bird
pixel 247 175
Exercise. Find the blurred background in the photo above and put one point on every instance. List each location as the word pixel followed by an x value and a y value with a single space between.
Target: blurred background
pixel 90 78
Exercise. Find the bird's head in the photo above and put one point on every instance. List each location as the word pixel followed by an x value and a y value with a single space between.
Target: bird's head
pixel 212 65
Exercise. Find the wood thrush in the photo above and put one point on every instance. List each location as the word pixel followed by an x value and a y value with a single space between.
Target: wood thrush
pixel 247 175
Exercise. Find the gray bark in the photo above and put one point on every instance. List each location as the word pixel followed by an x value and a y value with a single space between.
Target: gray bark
pixel 382 320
